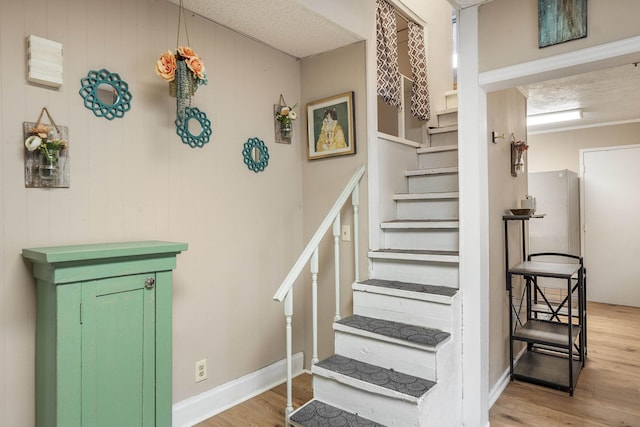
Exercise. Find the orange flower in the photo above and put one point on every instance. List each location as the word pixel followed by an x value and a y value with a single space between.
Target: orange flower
pixel 196 65
pixel 186 52
pixel 166 66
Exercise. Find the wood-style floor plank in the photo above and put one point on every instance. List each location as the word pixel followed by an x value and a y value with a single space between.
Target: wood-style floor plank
pixel 608 390
pixel 607 394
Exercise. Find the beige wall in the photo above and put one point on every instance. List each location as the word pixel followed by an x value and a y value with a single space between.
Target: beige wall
pixel 506 112
pixel 133 179
pixel 561 150
pixel 324 179
pixel 508 30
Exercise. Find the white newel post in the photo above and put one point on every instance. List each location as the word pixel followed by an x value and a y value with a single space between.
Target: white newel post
pixel 314 304
pixel 288 313
pixel 355 201
pixel 336 256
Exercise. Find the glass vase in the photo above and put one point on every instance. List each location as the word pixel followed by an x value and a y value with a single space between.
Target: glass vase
pixel 286 130
pixel 49 168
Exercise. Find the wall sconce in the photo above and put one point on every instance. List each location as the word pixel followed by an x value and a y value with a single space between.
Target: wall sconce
pixel 517 156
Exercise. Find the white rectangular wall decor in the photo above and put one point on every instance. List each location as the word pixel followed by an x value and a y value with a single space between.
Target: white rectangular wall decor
pixel 44 61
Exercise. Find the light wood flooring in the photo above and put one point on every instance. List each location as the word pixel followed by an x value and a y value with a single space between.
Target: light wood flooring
pixel 607 394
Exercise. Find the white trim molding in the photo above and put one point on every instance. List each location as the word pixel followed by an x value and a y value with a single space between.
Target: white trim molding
pixel 205 405
pixel 611 54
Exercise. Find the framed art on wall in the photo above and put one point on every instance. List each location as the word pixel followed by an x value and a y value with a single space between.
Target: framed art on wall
pixel 560 21
pixel 331 127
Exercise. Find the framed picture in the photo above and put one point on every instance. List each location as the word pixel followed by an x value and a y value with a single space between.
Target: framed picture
pixel 560 21
pixel 331 127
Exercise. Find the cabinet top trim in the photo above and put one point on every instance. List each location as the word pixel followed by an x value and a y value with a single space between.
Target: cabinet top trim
pixel 71 253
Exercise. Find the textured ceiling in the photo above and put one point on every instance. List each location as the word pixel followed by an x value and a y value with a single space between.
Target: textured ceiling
pixel 285 25
pixel 606 96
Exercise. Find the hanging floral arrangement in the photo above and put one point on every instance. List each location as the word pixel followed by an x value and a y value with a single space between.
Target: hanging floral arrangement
pixel 285 115
pixel 185 72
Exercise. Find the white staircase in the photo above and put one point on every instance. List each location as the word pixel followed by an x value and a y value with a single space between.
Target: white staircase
pixel 398 359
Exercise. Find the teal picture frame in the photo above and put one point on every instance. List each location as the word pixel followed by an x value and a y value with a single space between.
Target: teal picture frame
pixel 182 127
pixel 106 94
pixel 256 155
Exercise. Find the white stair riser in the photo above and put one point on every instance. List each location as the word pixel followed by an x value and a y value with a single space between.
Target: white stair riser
pixel 408 360
pixel 442 159
pixel 426 239
pixel 427 209
pixel 448 119
pixel 433 183
pixel 381 409
pixel 422 272
pixel 444 138
pixel 411 311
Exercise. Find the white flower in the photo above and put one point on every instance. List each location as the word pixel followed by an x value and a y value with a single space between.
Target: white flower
pixel 33 142
pixel 292 115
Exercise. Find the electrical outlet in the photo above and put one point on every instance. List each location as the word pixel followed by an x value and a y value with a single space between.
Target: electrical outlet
pixel 346 233
pixel 201 370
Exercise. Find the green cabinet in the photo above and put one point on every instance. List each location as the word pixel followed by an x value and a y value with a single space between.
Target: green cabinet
pixel 103 334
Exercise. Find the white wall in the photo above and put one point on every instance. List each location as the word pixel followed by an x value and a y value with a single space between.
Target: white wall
pixel 133 179
pixel 561 150
pixel 506 114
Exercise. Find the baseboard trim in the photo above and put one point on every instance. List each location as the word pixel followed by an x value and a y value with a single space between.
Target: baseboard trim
pixel 502 382
pixel 205 405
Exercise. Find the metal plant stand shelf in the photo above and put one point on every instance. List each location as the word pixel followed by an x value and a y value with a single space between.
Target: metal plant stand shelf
pixel 553 329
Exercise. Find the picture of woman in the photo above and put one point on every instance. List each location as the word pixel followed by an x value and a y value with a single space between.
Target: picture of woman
pixel 330 127
pixel 331 135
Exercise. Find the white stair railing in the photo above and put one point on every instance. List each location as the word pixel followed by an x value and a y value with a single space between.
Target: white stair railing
pixel 310 253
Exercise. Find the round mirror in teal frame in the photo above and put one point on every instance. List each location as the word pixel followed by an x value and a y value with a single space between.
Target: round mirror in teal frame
pixel 256 155
pixel 106 94
pixel 183 127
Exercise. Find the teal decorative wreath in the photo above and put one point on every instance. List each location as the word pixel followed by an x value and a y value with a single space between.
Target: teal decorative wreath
pixel 89 92
pixel 182 127
pixel 250 146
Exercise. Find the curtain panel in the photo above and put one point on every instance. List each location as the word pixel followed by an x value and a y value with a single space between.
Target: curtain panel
pixel 418 60
pixel 387 53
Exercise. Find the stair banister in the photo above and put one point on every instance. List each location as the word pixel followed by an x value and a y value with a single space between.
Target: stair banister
pixel 310 253
pixel 305 256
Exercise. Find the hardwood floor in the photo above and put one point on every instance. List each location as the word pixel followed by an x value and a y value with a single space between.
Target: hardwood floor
pixel 607 394
pixel 608 390
pixel 266 409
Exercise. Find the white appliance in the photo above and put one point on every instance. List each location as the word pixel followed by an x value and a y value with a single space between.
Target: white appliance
pixel 557 196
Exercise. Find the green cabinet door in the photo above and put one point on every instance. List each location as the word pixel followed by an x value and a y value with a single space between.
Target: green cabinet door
pixel 118 352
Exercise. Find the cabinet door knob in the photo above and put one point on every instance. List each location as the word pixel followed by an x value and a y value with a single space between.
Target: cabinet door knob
pixel 149 283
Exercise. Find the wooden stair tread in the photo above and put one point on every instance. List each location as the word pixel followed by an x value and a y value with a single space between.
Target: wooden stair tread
pixel 445 129
pixel 415 255
pixel 316 413
pixel 437 149
pixel 431 171
pixel 427 196
pixel 415 224
pixel 420 335
pixel 386 381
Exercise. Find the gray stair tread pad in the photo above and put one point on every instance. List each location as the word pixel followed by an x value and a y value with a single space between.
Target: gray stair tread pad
pixel 411 333
pixel 386 378
pixel 412 287
pixel 320 414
